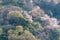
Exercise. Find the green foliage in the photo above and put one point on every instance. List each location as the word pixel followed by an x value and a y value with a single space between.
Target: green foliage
pixel 1 31
pixel 20 34
pixel 14 14
pixel 19 28
pixel 16 18
pixel 23 29
pixel 58 31
pixel 2 6
pixel 12 34
pixel 27 36
pixel 54 35
pixel 36 29
pixel 38 25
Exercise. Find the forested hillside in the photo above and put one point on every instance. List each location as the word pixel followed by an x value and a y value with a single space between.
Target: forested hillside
pixel 29 19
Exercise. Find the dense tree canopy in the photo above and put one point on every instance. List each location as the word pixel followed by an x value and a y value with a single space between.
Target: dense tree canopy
pixel 29 20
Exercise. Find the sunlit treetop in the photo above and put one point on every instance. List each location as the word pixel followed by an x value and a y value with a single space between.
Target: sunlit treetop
pixel 15 14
